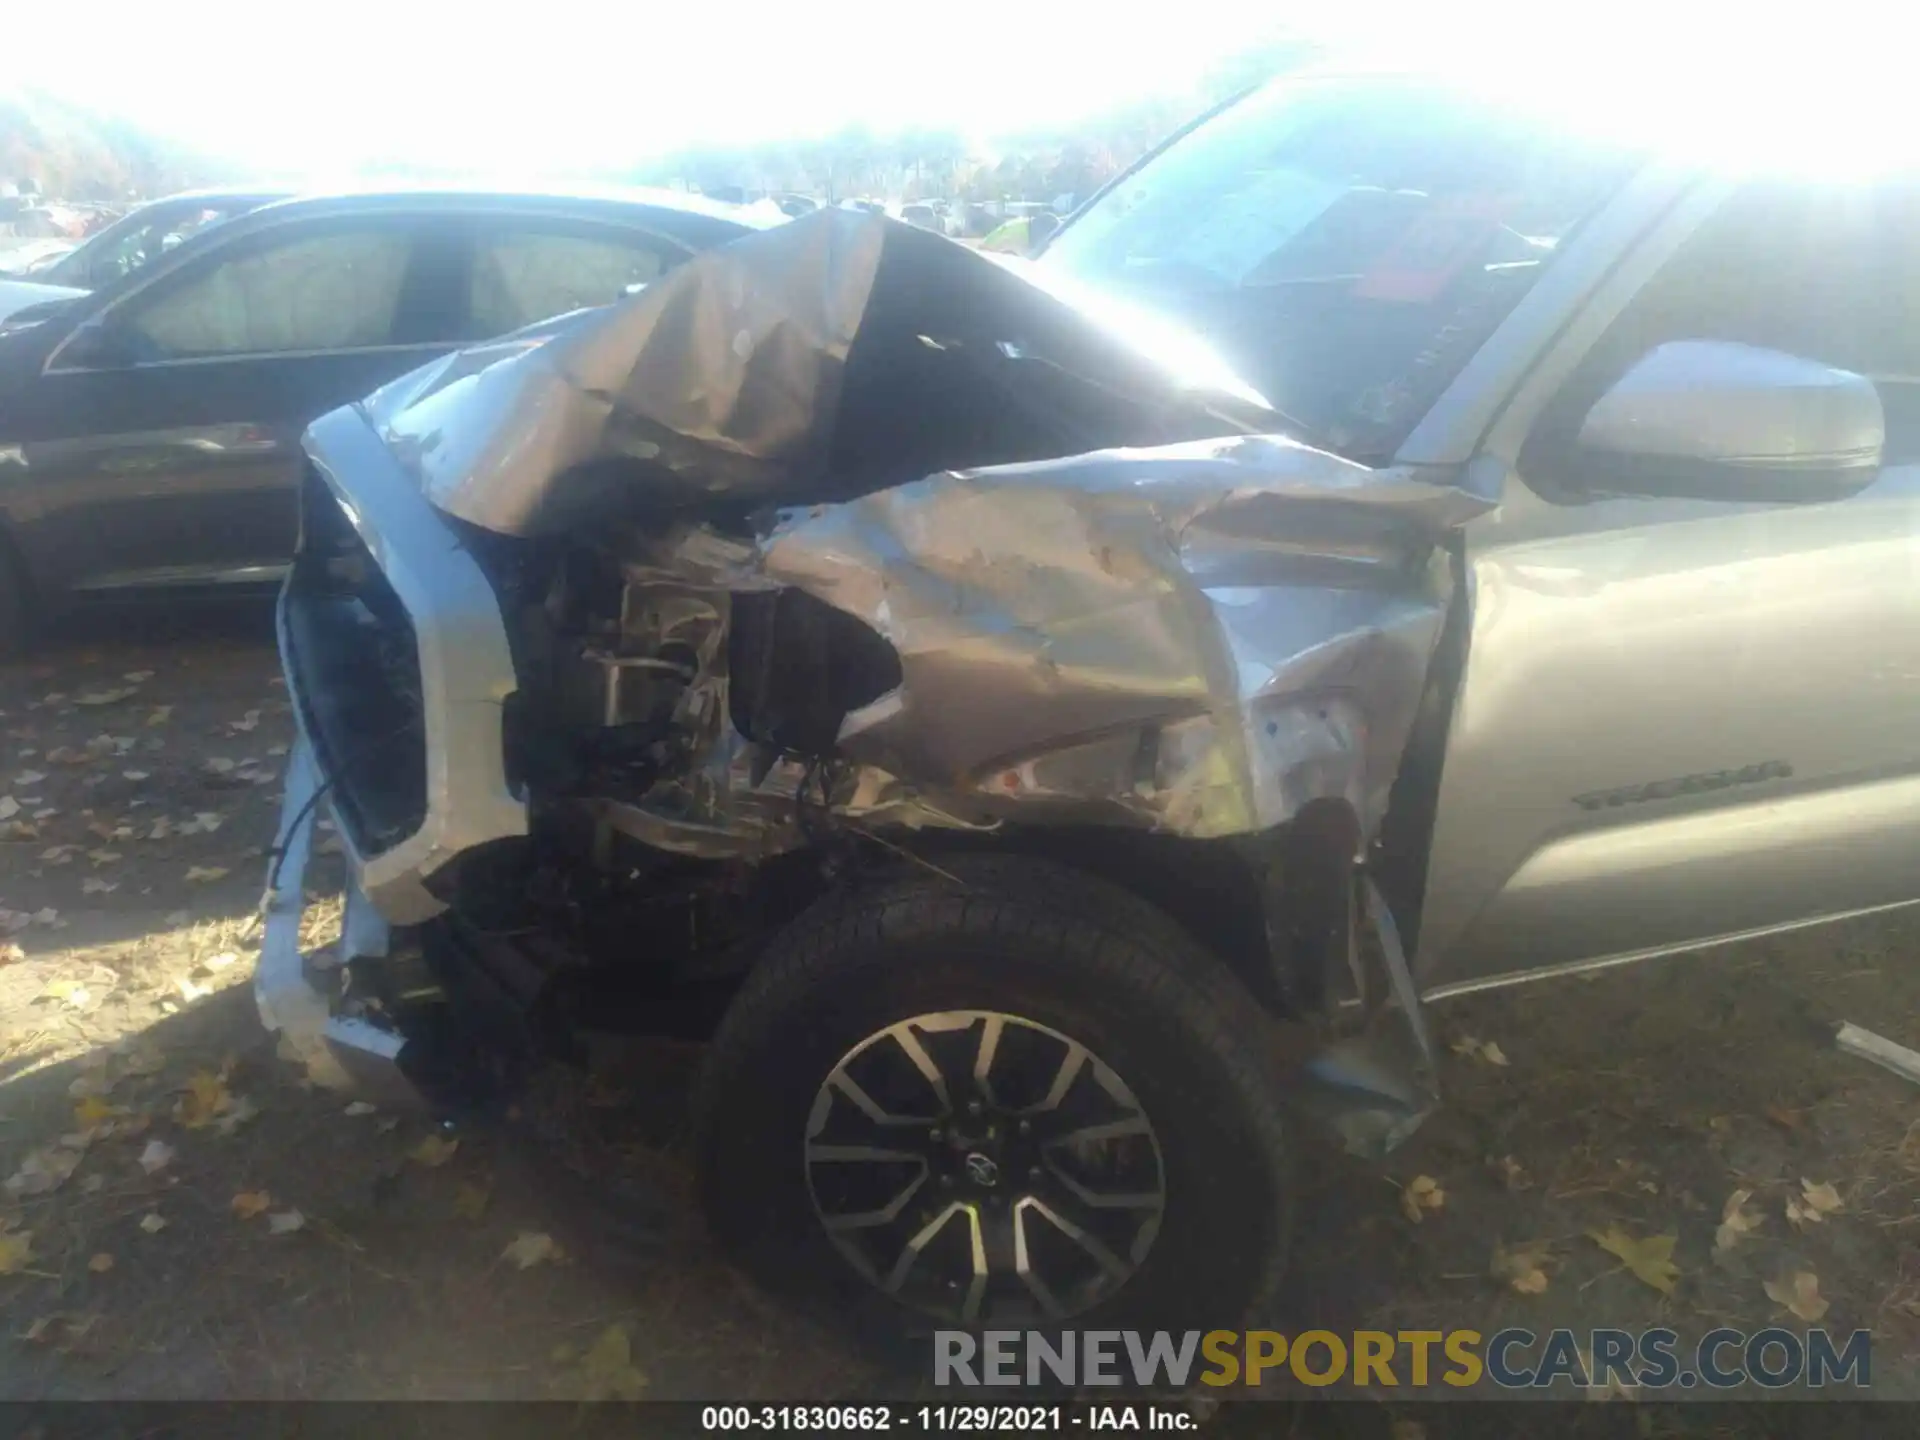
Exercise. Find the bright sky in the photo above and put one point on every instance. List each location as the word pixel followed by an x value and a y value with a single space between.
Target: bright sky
pixel 527 87
pixel 519 90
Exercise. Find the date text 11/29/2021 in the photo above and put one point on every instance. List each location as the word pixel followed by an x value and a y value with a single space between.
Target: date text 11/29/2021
pixel 957 1419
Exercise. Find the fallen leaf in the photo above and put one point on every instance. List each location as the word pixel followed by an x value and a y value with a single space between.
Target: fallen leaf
pixel 206 872
pixel 93 885
pixel 16 1249
pixel 71 991
pixel 1492 1053
pixel 92 1112
pixel 1798 1293
pixel 1822 1197
pixel 134 775
pixel 153 1222
pixel 245 722
pixel 103 857
pixel 137 677
pixel 1651 1259
pixel 143 1060
pixel 104 697
pixel 1813 1204
pixel 286 1222
pixel 27 779
pixel 43 1170
pixel 470 1200
pixel 159 715
pixel 1520 1268
pixel 9 807
pixel 433 1152
pixel 100 1263
pixel 1512 1173
pixel 92 1184
pixel 249 1203
pixel 73 1327
pixel 1737 1219
pixel 205 1100
pixel 359 1107
pixel 530 1248
pixel 243 1110
pixel 1423 1193
pixel 156 1157
pixel 607 1371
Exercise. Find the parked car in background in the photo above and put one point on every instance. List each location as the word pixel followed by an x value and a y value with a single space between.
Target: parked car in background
pixel 149 429
pixel 923 215
pixel 142 236
pixel 22 255
pixel 63 270
pixel 1024 234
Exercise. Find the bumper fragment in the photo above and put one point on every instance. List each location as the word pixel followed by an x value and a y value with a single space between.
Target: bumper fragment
pixel 296 992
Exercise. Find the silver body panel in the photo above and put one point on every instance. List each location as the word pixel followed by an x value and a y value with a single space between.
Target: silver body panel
pixel 466 669
pixel 1612 645
pixel 1628 642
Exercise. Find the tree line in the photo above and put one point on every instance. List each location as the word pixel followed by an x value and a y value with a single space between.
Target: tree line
pixel 920 162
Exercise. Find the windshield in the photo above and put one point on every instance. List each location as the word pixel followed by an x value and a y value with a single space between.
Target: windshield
pixel 1344 244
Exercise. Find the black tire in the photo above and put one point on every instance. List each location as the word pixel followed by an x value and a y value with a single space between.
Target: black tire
pixel 1052 946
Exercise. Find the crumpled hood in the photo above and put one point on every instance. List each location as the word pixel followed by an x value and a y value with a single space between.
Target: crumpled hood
pixel 818 360
pixel 1113 599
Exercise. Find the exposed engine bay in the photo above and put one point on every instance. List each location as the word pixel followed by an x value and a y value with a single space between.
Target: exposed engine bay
pixel 843 544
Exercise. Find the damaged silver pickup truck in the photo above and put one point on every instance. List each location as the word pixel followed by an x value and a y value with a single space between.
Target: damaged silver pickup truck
pixel 1384 547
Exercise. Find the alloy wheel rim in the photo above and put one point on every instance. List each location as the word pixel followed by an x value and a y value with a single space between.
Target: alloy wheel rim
pixel 978 1166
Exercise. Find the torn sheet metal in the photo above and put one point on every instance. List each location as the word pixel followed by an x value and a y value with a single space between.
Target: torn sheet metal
pixel 1200 638
pixel 1104 611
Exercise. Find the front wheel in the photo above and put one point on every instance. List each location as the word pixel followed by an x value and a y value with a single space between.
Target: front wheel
pixel 1022 1099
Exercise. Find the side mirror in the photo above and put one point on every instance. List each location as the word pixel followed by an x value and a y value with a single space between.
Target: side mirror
pixel 1712 420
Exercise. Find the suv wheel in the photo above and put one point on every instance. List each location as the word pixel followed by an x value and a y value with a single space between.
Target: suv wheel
pixel 1024 1099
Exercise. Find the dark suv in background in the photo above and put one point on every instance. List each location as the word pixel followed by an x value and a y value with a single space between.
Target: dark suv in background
pixel 149 431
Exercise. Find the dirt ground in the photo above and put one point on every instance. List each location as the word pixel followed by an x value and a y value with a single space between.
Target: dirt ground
pixel 187 1220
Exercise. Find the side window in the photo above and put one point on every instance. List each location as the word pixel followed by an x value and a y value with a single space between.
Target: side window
pixel 337 291
pixel 523 276
pixel 1825 273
